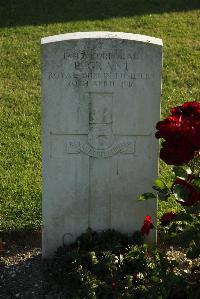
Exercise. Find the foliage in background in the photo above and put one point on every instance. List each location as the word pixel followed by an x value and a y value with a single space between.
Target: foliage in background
pixel 22 24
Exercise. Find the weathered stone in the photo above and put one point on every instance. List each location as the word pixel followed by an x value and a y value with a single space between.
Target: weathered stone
pixel 100 103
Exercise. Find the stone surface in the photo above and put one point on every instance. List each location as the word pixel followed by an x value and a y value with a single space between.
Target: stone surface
pixel 100 103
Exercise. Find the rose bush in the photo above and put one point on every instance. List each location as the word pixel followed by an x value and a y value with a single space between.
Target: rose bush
pixel 180 132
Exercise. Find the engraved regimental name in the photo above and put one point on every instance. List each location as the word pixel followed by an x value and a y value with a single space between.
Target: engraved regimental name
pixel 91 79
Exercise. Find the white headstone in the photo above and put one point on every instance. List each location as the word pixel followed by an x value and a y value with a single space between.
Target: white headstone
pixel 100 103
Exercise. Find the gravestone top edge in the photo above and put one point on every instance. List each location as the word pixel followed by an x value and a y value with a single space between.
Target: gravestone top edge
pixel 102 35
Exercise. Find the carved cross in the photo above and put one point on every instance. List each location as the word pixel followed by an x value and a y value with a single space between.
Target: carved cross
pixel 100 145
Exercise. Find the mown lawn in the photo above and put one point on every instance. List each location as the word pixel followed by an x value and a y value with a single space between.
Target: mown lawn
pixel 22 24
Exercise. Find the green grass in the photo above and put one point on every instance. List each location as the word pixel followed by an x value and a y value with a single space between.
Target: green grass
pixel 22 24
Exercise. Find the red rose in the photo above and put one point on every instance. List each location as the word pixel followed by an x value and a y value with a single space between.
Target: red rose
pixel 191 108
pixel 193 194
pixel 169 128
pixel 113 285
pixel 195 136
pixel 176 154
pixel 136 276
pixel 188 109
pixel 181 130
pixel 147 225
pixel 167 217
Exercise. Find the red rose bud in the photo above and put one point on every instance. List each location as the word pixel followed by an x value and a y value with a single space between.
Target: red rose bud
pixel 147 225
pixel 136 276
pixel 167 217
pixel 113 285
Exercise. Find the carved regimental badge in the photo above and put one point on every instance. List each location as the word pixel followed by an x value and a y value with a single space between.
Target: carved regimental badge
pixel 100 134
pixel 101 141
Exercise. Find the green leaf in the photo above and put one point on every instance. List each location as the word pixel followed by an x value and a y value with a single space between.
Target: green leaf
pixel 163 196
pixel 155 279
pixel 180 192
pixel 146 196
pixel 185 236
pixel 183 216
pixel 193 209
pixel 180 172
pixel 196 183
pixel 194 252
pixel 159 185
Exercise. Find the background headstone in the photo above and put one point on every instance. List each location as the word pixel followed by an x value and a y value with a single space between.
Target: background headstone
pixel 100 103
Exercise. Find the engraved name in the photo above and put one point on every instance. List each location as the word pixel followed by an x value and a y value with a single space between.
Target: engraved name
pixel 100 69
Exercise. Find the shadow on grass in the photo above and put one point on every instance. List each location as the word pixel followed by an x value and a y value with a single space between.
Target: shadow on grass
pixel 38 12
pixel 24 237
